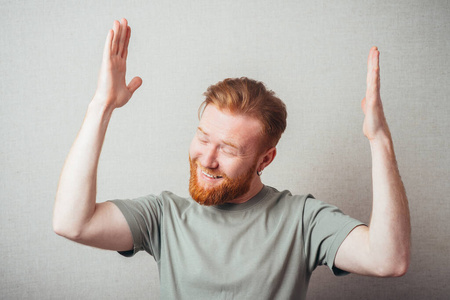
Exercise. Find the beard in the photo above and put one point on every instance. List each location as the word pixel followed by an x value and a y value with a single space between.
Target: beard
pixel 228 190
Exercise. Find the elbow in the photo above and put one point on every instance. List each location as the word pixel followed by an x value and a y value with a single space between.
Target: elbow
pixel 401 271
pixel 396 268
pixel 65 230
pixel 397 271
pixel 402 267
pixel 66 222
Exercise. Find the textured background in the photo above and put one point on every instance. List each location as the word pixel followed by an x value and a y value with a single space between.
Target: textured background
pixel 312 53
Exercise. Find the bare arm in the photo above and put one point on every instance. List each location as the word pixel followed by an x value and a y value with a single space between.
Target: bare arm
pixel 76 214
pixel 382 249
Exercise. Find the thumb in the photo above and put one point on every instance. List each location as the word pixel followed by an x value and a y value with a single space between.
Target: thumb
pixel 363 105
pixel 134 84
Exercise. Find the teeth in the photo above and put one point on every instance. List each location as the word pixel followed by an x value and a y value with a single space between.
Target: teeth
pixel 211 176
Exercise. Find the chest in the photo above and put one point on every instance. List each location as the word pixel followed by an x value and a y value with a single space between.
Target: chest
pixel 222 251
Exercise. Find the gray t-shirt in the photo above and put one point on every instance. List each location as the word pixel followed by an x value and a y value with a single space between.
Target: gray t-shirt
pixel 265 248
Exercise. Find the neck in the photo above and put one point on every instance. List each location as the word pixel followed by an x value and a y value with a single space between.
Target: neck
pixel 255 188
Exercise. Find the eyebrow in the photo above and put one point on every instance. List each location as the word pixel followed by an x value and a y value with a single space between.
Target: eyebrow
pixel 225 142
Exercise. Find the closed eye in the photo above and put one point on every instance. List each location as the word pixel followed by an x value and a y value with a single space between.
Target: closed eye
pixel 229 150
pixel 202 141
pixel 202 137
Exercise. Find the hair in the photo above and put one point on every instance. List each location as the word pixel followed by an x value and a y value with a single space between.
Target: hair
pixel 251 98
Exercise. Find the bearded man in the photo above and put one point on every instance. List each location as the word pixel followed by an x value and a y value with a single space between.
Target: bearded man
pixel 234 238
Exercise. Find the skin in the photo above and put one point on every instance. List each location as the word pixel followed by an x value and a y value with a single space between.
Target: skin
pixel 220 148
pixel 383 248
pixel 76 215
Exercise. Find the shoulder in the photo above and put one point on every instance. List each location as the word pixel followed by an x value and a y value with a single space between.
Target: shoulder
pixel 165 199
pixel 304 204
pixel 290 205
pixel 285 197
pixel 175 205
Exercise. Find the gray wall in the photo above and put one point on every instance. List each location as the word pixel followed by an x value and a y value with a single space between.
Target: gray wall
pixel 313 54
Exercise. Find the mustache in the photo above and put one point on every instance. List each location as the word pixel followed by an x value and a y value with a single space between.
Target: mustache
pixel 209 170
pixel 195 163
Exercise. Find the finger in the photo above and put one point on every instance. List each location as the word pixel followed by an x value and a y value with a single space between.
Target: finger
pixel 123 35
pixel 127 42
pixel 373 73
pixel 115 41
pixel 134 84
pixel 107 48
pixel 369 58
pixel 375 59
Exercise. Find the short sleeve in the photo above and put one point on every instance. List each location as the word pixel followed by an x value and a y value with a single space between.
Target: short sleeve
pixel 143 216
pixel 325 228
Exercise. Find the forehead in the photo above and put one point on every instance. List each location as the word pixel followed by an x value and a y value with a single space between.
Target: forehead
pixel 243 131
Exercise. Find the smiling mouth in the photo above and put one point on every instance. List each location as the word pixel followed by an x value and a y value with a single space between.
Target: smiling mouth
pixel 211 176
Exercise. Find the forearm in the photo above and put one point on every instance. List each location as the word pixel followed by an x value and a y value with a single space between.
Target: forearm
pixel 383 249
pixel 389 230
pixel 76 193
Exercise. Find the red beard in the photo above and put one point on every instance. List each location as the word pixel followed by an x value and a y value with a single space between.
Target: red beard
pixel 227 191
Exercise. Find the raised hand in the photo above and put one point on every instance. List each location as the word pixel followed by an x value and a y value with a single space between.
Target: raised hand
pixel 375 125
pixel 76 215
pixel 112 90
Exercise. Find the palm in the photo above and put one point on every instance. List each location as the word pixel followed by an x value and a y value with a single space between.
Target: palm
pixel 112 87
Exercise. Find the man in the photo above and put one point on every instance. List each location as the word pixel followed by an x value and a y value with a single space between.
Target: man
pixel 235 238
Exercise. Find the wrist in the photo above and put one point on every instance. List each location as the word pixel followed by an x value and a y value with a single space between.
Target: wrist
pixel 100 108
pixel 105 100
pixel 382 139
pixel 382 147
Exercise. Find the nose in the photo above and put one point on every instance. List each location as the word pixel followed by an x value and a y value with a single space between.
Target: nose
pixel 209 158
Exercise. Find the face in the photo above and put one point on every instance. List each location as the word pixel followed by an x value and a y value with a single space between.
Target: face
pixel 224 157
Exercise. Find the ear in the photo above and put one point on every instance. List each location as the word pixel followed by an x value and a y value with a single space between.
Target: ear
pixel 266 158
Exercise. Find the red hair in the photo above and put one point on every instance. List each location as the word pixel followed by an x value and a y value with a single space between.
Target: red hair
pixel 251 98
